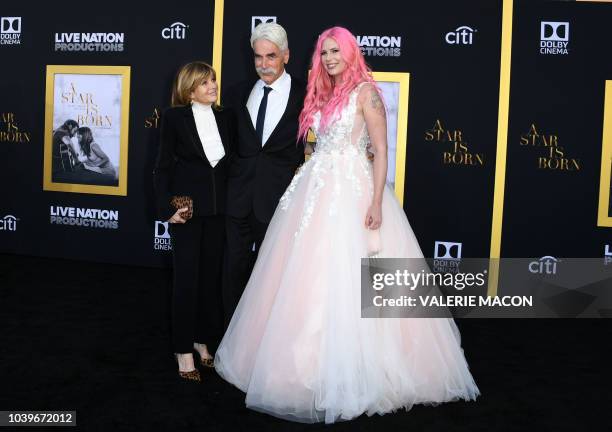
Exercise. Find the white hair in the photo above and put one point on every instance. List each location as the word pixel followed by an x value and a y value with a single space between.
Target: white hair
pixel 272 32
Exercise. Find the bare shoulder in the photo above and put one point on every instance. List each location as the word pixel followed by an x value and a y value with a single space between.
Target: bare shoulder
pixel 370 100
pixel 365 89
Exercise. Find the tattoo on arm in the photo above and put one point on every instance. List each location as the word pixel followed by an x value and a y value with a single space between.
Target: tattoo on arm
pixel 377 104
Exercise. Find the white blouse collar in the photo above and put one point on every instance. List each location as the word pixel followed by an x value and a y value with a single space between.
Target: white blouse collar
pixel 197 106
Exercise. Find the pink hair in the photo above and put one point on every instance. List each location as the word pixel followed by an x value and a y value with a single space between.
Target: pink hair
pixel 321 94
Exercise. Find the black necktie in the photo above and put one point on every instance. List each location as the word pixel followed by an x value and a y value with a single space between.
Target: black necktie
pixel 261 114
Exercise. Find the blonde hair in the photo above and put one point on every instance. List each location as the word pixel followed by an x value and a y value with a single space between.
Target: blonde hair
pixel 187 79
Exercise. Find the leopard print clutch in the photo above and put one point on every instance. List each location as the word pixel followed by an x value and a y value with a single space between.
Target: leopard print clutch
pixel 182 201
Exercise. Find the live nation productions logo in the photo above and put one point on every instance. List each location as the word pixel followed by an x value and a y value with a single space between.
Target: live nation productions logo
pixel 152 122
pixel 89 42
pixel 552 155
pixel 162 241
pixel 8 223
pixel 177 30
pixel 9 130
pixel 457 150
pixel 85 217
pixel 447 257
pixel 463 35
pixel 10 31
pixel 380 46
pixel 554 37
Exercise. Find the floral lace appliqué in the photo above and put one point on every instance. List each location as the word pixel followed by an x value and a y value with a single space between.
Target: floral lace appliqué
pixel 336 154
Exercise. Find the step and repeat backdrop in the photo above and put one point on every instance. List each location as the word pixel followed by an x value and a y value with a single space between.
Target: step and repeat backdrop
pixel 480 172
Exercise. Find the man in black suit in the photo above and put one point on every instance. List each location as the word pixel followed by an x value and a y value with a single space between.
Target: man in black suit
pixel 267 154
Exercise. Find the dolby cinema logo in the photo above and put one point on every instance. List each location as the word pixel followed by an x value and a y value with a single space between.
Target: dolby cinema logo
pixel 161 240
pixel 554 37
pixel 380 46
pixel 10 31
pixel 176 30
pixel 447 250
pixel 256 20
pixel 447 257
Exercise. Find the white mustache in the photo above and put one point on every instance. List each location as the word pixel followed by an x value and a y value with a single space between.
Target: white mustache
pixel 266 71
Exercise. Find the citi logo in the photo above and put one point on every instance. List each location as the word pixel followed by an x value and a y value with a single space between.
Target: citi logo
pixel 8 223
pixel 177 30
pixel 463 35
pixel 256 20
pixel 554 31
pixel 545 265
pixel 10 25
pixel 447 250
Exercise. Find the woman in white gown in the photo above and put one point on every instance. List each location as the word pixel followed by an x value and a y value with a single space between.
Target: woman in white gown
pixel 297 345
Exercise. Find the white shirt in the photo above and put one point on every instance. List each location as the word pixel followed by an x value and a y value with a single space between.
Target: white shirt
pixel 277 103
pixel 208 132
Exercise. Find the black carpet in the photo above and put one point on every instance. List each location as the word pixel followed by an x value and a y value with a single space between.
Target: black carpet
pixel 95 338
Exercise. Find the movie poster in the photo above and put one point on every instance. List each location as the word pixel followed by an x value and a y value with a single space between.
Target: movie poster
pixel 86 129
pixel 394 87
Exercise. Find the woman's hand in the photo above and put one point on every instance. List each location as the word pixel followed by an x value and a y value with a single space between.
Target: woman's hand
pixel 176 217
pixel 373 218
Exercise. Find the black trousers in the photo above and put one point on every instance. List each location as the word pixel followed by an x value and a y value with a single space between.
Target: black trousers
pixel 240 258
pixel 197 302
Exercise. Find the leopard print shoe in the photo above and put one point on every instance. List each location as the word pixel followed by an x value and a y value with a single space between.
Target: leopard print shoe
pixel 193 375
pixel 208 362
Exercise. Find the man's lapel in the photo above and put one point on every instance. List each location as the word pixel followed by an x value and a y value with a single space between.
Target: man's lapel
pixel 246 116
pixel 291 106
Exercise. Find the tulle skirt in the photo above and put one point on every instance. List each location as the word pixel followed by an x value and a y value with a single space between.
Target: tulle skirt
pixel 297 345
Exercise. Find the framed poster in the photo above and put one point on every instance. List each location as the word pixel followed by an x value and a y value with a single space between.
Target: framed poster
pixel 86 129
pixel 604 213
pixel 394 86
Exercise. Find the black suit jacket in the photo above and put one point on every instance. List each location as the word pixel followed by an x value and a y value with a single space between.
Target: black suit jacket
pixel 182 167
pixel 258 176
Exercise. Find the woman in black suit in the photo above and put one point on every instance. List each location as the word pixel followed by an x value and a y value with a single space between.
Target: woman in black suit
pixel 196 143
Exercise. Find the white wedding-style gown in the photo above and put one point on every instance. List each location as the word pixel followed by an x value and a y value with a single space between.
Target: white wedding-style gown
pixel 297 345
